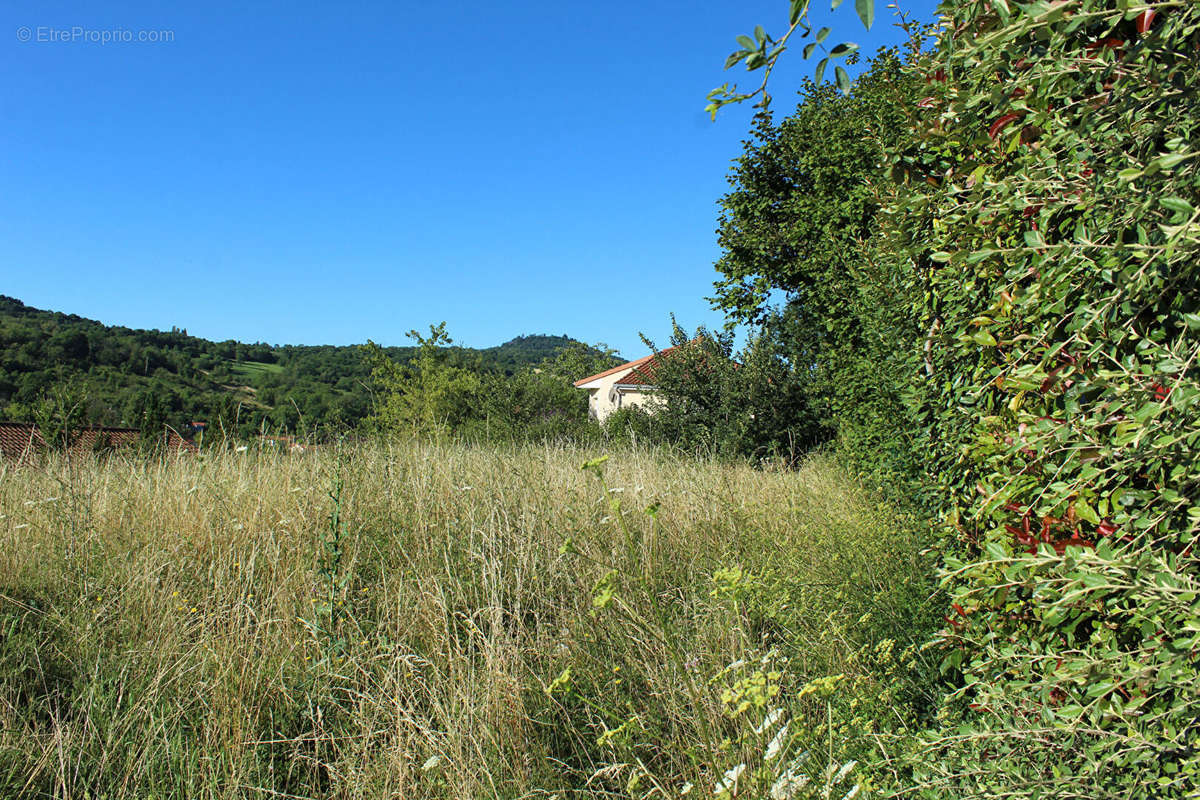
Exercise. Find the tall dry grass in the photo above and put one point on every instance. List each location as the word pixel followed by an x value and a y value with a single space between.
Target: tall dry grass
pixel 485 622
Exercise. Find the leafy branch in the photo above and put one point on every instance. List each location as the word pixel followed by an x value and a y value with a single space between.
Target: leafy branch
pixel 762 51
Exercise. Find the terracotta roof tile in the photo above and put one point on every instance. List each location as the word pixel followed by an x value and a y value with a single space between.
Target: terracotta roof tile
pixel 610 371
pixel 19 441
pixel 640 371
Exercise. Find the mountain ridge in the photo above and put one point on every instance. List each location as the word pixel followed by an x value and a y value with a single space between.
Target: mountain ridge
pixel 137 376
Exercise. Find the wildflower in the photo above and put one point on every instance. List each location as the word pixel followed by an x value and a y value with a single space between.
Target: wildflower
pixel 776 743
pixel 729 780
pixel 770 719
pixel 791 781
pixel 844 771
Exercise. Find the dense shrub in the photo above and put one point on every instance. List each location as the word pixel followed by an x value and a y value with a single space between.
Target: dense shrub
pixel 802 218
pixel 1023 303
pixel 1059 254
pixel 710 399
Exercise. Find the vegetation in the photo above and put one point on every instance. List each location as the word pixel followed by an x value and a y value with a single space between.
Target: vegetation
pixel 442 620
pixel 986 250
pixel 436 392
pixel 146 379
pixel 749 405
pixel 1060 253
pixel 1014 306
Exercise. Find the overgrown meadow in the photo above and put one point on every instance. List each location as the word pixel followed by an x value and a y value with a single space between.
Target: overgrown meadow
pixel 423 619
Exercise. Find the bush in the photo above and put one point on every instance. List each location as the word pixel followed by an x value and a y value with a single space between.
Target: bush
pixel 1011 343
pixel 1056 261
pixel 748 405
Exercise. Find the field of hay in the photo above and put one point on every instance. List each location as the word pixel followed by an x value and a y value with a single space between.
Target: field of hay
pixel 454 621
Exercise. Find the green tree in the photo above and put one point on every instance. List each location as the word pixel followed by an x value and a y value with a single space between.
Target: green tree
pixel 1037 261
pixel 60 415
pixel 801 226
pixel 428 394
pixel 748 404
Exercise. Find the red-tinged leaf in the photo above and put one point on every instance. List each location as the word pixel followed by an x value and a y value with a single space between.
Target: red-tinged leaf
pixel 1145 20
pixel 1002 123
pixel 1112 43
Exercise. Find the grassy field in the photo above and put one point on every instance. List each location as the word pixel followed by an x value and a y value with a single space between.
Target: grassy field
pixel 444 620
pixel 253 369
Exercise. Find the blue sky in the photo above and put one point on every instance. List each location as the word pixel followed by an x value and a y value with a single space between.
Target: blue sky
pixel 328 173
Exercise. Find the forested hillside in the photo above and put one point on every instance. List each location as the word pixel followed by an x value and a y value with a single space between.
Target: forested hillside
pixel 139 378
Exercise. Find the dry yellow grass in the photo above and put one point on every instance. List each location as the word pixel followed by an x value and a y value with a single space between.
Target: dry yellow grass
pixel 185 629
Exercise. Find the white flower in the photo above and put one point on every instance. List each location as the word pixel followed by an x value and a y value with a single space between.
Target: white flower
pixel 776 743
pixel 844 771
pixel 789 783
pixel 772 717
pixel 729 781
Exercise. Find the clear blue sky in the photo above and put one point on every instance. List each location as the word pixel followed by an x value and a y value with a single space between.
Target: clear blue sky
pixel 327 173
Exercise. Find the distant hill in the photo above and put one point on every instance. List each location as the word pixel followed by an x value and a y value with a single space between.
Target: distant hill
pixel 130 377
pixel 525 351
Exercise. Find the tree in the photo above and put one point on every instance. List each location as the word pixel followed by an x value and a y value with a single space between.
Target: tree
pixel 749 404
pixel 1035 275
pixel 429 394
pixel 801 221
pixel 59 415
pixel 761 52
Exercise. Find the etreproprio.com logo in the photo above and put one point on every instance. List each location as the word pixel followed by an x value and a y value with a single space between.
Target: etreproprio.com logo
pixel 80 34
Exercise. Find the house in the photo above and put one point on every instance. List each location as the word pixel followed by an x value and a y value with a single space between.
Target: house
pixel 629 385
pixel 22 441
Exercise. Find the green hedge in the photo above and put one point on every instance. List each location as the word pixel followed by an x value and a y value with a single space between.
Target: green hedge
pixel 1056 260
pixel 1004 332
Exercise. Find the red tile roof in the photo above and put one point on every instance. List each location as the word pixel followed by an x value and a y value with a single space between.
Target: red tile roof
pixel 20 441
pixel 638 372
